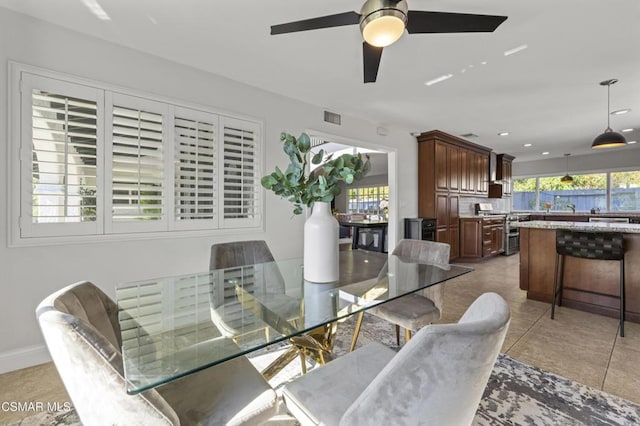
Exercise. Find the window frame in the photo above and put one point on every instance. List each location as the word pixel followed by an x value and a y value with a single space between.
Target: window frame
pixel 378 188
pixel 18 134
pixel 608 192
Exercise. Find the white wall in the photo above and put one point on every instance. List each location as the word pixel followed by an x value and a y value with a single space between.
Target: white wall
pixel 28 274
pixel 627 157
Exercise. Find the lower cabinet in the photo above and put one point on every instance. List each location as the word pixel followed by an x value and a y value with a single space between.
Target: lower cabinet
pixel 481 237
pixel 470 238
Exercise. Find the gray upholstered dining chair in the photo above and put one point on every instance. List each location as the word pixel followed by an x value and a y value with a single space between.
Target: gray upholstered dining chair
pixel 416 310
pixel 238 258
pixel 437 378
pixel 80 326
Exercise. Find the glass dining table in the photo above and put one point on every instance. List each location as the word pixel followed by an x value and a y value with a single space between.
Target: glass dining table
pixel 177 325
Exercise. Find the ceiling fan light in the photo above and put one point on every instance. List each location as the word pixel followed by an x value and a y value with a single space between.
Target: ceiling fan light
pixel 384 30
pixel 383 22
pixel 608 139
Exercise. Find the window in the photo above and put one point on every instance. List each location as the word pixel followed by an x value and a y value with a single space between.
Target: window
pixel 371 200
pixel 586 192
pixel 135 158
pixel 625 191
pixel 59 157
pixel 524 194
pixel 101 162
pixel 195 168
pixel 241 175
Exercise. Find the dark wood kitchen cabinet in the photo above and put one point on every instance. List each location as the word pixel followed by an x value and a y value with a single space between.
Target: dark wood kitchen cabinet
pixel 481 237
pixel 504 176
pixel 492 236
pixel 504 173
pixel 471 238
pixel 449 167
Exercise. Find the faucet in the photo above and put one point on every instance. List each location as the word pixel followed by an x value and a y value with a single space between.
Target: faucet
pixel 572 207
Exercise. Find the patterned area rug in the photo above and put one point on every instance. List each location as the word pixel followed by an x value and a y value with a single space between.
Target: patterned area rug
pixel 517 393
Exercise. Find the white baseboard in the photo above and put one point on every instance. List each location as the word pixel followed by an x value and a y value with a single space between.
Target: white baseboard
pixel 23 358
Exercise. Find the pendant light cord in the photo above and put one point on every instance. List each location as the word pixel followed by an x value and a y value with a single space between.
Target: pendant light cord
pixel 608 105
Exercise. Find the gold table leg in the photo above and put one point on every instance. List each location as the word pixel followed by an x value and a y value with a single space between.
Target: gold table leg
pixel 316 344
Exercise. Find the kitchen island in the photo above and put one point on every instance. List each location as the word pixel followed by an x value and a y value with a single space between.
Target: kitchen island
pixel 537 260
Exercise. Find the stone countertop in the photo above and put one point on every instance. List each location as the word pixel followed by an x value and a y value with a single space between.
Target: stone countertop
pixel 581 214
pixel 628 228
pixel 486 216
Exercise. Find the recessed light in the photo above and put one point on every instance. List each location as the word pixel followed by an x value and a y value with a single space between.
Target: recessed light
pixel 439 79
pixel 503 134
pixel 463 70
pixel 527 145
pixel 631 142
pixel 515 50
pixel 627 130
pixel 484 62
pixel 620 111
pixel 545 153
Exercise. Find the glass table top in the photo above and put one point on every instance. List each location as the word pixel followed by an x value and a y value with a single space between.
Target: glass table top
pixel 177 325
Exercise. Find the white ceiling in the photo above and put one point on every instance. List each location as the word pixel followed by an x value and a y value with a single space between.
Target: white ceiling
pixel 547 95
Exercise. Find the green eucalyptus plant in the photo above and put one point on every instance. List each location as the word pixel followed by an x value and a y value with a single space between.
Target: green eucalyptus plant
pixel 322 183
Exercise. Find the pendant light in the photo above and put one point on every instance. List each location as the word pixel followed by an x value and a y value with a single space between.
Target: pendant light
pixel 567 178
pixel 609 138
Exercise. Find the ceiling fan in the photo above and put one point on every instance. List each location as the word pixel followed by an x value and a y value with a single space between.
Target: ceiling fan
pixel 382 23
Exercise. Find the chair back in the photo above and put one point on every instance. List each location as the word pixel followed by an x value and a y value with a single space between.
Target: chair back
pixel 430 252
pixel 439 376
pixel 81 330
pixel 239 253
pixel 427 251
pixel 590 245
pixel 231 317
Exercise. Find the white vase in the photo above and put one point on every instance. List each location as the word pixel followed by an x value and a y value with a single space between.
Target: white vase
pixel 321 245
pixel 320 302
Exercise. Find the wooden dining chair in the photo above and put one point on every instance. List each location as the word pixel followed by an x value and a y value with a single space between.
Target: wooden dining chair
pixel 415 310
pixel 82 332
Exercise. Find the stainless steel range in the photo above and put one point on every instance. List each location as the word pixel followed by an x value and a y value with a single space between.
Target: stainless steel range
pixel 512 233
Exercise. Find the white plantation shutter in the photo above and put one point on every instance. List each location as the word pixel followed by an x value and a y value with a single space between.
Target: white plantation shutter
pixel 136 132
pixel 60 147
pixel 196 140
pixel 241 173
pixel 94 161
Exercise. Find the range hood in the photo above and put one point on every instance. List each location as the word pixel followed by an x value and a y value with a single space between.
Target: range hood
pixel 496 174
pixel 495 186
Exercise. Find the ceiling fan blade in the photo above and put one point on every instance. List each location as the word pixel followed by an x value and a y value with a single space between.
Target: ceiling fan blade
pixel 444 22
pixel 371 61
pixel 338 20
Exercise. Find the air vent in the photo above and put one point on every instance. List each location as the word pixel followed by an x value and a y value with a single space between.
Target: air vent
pixel 332 117
pixel 469 135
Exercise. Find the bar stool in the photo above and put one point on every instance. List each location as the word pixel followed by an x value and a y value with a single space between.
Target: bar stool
pixel 588 245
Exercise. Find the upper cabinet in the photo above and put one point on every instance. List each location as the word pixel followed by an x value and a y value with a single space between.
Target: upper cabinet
pixel 449 163
pixel 503 187
pixel 449 167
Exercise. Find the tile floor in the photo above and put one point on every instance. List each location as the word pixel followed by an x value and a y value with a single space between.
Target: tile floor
pixel 580 346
